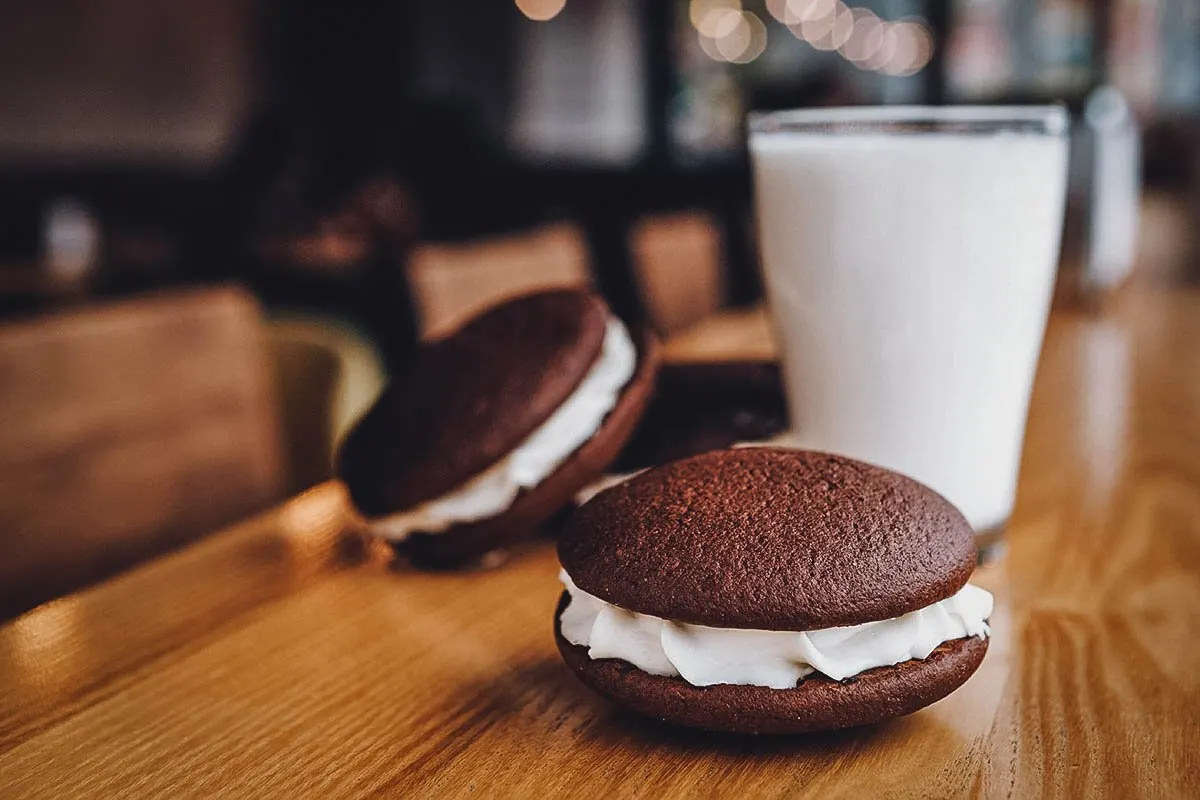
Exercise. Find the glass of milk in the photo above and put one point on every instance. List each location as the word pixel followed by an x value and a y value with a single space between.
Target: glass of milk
pixel 909 256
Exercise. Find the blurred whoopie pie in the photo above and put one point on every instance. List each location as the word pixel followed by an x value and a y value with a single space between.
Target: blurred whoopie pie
pixel 494 428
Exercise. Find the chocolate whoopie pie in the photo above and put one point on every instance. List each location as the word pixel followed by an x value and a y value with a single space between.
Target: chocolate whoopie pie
pixel 494 428
pixel 764 590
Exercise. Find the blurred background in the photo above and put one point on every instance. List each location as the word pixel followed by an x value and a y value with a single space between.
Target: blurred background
pixel 365 174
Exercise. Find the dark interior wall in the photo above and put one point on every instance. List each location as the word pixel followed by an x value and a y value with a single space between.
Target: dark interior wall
pixel 413 89
pixel 164 82
pixel 463 52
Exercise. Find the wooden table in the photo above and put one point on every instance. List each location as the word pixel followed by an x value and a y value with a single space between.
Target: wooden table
pixel 283 658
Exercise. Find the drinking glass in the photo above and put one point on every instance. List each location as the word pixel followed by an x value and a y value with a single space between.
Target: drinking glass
pixel 909 256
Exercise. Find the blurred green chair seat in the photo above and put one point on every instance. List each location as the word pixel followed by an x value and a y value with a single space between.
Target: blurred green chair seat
pixel 329 374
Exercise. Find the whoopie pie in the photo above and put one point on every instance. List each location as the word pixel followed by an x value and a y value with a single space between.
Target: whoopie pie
pixel 493 429
pixel 765 590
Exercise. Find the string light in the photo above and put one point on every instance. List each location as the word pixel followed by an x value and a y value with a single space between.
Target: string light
pixel 895 48
pixel 729 33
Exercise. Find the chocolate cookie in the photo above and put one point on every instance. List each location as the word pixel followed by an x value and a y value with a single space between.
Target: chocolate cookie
pixel 765 590
pixel 472 400
pixel 769 538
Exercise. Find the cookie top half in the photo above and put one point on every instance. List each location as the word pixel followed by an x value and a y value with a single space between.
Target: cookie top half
pixel 771 539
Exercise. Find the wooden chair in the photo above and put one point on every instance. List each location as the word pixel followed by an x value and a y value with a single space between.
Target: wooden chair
pixel 328 375
pixel 679 268
pixel 129 429
pixel 453 282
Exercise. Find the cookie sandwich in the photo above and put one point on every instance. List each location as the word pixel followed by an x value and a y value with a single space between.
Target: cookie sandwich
pixel 764 590
pixel 493 429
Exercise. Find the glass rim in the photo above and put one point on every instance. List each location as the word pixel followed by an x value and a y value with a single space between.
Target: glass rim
pixel 1046 120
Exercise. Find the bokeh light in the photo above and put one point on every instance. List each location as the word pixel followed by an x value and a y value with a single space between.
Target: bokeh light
pixel 725 23
pixel 924 48
pixel 843 27
pixel 817 30
pixel 757 43
pixel 714 18
pixel 858 34
pixel 914 48
pixel 778 10
pixel 733 39
pixel 865 37
pixel 726 32
pixel 540 10
pixel 709 46
pixel 880 57
pixel 802 10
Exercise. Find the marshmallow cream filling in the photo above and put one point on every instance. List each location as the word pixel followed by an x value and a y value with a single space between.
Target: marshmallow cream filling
pixel 704 656
pixel 572 424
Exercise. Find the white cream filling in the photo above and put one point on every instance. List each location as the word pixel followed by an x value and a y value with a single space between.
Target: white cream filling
pixel 704 656
pixel 573 423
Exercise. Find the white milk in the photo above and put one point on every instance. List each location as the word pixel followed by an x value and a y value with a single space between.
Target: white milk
pixel 910 277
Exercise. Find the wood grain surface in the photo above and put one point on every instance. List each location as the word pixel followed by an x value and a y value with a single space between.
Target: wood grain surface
pixel 283 659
